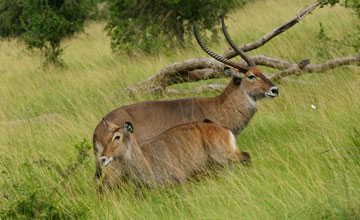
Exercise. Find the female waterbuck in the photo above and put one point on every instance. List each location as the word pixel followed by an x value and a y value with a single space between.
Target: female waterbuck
pixel 232 109
pixel 172 156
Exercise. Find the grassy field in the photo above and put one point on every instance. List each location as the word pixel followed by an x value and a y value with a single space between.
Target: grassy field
pixel 306 162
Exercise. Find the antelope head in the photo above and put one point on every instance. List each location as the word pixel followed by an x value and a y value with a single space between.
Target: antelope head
pixel 248 77
pixel 118 141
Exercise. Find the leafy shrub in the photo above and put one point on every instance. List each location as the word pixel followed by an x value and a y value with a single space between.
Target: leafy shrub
pixel 10 24
pixel 29 199
pixel 151 24
pixel 42 24
pixel 354 4
pixel 327 46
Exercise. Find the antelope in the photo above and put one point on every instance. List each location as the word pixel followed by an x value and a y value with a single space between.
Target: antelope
pixel 232 109
pixel 173 156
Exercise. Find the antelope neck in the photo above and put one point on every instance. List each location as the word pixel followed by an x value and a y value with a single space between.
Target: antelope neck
pixel 239 99
pixel 232 109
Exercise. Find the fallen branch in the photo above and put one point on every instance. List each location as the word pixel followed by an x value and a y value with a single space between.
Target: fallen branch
pixel 297 69
pixel 188 71
pixel 293 69
pixel 267 37
pixel 207 68
pixel 201 89
pixel 194 70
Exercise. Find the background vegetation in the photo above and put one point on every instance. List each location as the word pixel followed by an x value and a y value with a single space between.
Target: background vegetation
pixel 354 4
pixel 144 25
pixel 306 162
pixel 43 24
pixel 156 24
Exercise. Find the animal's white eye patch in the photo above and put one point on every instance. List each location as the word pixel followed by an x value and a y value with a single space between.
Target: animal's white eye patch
pixel 116 137
pixel 252 76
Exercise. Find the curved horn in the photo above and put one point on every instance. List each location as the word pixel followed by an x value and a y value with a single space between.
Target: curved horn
pixel 247 59
pixel 239 66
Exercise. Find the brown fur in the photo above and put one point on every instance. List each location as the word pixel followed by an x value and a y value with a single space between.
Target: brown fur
pixel 173 156
pixel 232 109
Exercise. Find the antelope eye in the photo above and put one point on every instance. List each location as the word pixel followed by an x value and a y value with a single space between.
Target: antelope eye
pixel 116 137
pixel 252 76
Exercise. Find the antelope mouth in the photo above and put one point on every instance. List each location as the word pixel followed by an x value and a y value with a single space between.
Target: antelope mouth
pixel 270 96
pixel 106 161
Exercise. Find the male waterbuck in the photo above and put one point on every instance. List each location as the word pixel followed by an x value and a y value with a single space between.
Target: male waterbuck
pixel 173 156
pixel 232 109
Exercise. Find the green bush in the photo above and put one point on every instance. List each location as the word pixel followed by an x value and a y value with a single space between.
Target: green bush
pixel 29 199
pixel 152 24
pixel 10 24
pixel 354 4
pixel 42 24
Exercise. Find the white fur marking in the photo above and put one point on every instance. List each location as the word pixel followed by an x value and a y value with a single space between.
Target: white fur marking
pixel 251 101
pixel 99 147
pixel 107 161
pixel 232 140
pixel 128 154
pixel 115 136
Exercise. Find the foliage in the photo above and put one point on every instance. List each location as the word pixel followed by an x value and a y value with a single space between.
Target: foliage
pixel 152 24
pixel 326 45
pixel 42 24
pixel 37 203
pixel 10 24
pixel 99 10
pixel 354 4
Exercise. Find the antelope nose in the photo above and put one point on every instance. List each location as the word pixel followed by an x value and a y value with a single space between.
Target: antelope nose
pixel 274 91
pixel 103 159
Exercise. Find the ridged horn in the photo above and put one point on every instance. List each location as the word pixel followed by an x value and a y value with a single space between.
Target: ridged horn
pixel 247 58
pixel 217 57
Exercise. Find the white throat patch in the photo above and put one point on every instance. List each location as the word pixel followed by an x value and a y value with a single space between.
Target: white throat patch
pixel 252 102
pixel 128 153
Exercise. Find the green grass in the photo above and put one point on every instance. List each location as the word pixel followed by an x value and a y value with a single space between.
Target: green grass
pixel 306 162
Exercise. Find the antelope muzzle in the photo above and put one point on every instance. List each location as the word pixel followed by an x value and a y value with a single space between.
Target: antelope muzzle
pixel 272 93
pixel 106 160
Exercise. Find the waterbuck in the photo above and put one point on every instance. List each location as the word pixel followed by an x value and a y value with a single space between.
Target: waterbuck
pixel 232 109
pixel 173 156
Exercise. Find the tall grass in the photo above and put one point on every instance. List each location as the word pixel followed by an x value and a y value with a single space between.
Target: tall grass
pixel 305 161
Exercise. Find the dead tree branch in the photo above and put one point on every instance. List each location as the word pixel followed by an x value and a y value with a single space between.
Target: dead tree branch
pixel 267 37
pixel 188 71
pixel 305 66
pixel 292 69
pixel 194 70
pixel 207 68
pixel 201 89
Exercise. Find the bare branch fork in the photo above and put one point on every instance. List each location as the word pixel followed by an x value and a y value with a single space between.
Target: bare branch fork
pixel 267 37
pixel 196 69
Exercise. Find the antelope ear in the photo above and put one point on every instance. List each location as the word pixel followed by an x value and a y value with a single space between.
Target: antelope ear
pixel 236 75
pixel 109 125
pixel 128 128
pixel 237 80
